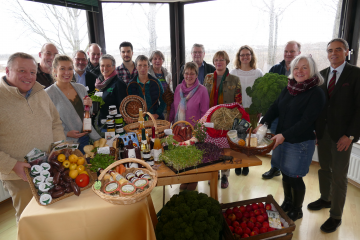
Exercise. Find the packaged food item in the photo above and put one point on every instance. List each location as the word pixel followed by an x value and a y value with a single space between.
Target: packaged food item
pixel 233 135
pixel 35 170
pixel 37 180
pixel 45 199
pixel 141 183
pixel 44 188
pixel 116 176
pixel 37 159
pixel 45 166
pixel 127 189
pixel 241 126
pixel 131 177
pixel 119 119
pixel 112 110
pixel 253 142
pixel 45 173
pixel 261 132
pixel 111 187
pixel 50 180
pixel 139 173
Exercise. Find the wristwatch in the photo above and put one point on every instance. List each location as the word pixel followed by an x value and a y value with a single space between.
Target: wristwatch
pixel 351 137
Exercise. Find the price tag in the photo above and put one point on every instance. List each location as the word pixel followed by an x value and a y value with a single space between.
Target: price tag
pixel 209 124
pixel 274 219
pixel 104 150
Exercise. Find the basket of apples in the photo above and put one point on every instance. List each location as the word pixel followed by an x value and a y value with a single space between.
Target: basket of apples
pixel 250 219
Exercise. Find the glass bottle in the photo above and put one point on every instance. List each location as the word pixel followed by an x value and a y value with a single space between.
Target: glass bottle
pixel 141 119
pixel 158 148
pixel 87 120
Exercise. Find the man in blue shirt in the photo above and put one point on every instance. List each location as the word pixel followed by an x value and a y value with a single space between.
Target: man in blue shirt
pixel 82 76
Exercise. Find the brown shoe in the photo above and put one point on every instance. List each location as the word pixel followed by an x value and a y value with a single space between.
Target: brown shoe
pixel 319 204
pixel 192 186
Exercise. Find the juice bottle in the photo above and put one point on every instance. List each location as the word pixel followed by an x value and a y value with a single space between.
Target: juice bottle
pixel 158 148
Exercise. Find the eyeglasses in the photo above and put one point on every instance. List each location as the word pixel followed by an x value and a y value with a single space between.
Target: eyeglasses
pixel 219 60
pixel 245 55
pixel 189 74
pixel 195 52
pixel 81 59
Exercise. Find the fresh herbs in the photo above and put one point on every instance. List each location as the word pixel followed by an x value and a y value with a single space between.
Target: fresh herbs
pixel 101 161
pixel 182 157
pixel 96 98
pixel 171 142
pixel 210 150
pixel 200 131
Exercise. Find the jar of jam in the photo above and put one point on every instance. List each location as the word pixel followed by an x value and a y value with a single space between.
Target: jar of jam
pixel 110 119
pixel 131 177
pixel 119 128
pixel 112 110
pixel 139 173
pixel 119 119
pixel 110 127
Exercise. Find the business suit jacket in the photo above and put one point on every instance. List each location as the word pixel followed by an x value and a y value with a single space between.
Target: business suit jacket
pixel 207 69
pixel 90 80
pixel 342 111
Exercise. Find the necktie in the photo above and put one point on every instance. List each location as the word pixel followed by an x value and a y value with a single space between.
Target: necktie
pixel 332 83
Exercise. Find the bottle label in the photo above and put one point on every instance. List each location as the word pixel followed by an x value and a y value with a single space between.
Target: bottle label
pixel 151 163
pixel 146 155
pixel 112 112
pixel 157 153
pixel 131 153
pixel 103 150
pixel 87 124
pixel 119 130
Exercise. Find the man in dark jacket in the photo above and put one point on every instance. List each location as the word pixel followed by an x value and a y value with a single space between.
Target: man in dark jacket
pixel 82 76
pixel 46 55
pixel 94 54
pixel 198 54
pixel 337 129
pixel 292 49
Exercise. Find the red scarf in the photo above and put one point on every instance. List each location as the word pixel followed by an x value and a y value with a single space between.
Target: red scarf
pixel 295 88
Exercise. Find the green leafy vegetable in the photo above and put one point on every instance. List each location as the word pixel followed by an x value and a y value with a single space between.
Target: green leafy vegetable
pixel 265 91
pixel 182 157
pixel 96 98
pixel 170 142
pixel 101 161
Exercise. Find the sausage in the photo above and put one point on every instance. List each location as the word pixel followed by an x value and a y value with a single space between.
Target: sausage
pixel 58 188
pixel 61 183
pixel 51 191
pixel 58 194
pixel 56 178
pixel 67 178
pixel 61 168
pixel 66 184
pixel 178 138
pixel 68 189
pixel 65 173
pixel 75 188
pixel 56 163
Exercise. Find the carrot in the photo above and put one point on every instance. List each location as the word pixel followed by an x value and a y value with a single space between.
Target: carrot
pixel 122 168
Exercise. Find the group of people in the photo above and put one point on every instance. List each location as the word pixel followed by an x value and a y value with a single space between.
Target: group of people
pixel 315 105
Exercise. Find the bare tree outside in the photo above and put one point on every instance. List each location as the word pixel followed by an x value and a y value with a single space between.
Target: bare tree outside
pixel 63 25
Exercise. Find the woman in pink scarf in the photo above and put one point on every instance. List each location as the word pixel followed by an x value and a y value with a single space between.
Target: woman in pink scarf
pixel 191 101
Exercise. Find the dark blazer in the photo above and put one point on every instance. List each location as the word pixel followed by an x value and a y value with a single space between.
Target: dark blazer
pixel 342 110
pixel 90 80
pixel 207 69
pixel 279 68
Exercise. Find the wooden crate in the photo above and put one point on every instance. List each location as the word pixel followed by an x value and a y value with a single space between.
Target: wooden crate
pixel 228 235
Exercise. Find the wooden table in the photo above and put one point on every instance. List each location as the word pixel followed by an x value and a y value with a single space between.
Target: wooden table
pixel 167 177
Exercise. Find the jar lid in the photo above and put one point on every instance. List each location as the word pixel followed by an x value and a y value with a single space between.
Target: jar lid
pixel 110 125
pixel 112 106
pixel 118 115
pixel 109 116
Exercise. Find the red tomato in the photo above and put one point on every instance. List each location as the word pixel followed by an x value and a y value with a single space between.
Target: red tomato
pixel 82 180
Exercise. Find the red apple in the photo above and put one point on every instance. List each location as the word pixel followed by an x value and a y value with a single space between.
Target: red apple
pixel 261 205
pixel 243 225
pixel 247 230
pixel 253 219
pixel 245 235
pixel 260 218
pixel 242 209
pixel 265 224
pixel 249 208
pixel 254 206
pixel 257 212
pixel 235 224
pixel 231 228
pixel 253 233
pixel 263 230
pixel 258 225
pixel 225 215
pixel 228 221
pixel 262 210
pixel 238 230
pixel 255 229
pixel 235 209
pixel 252 214
pixel 246 214
pixel 270 229
pixel 228 211
pixel 232 217
pixel 244 219
pixel 265 216
pixel 250 225
pixel 238 215
pixel 268 206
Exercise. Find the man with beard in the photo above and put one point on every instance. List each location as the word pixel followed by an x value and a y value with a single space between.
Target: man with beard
pixel 94 54
pixel 82 76
pixel 127 70
pixel 46 55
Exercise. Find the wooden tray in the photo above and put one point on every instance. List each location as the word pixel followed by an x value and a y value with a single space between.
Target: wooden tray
pixel 228 235
pixel 35 191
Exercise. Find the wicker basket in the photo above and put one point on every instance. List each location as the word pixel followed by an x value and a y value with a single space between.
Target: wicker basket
pixel 160 126
pixel 130 105
pixel 252 150
pixel 184 122
pixel 34 191
pixel 123 200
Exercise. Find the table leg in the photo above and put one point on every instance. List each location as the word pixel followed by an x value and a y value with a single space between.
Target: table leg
pixel 152 211
pixel 163 195
pixel 213 185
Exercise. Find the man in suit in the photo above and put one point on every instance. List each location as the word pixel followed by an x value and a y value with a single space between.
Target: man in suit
pixel 198 54
pixel 82 76
pixel 336 129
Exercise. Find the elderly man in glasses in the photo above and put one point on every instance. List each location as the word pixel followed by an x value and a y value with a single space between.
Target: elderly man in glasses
pixel 46 55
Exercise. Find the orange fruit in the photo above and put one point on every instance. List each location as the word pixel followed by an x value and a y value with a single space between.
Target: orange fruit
pixel 61 157
pixel 241 142
pixel 73 158
pixel 80 161
pixel 73 166
pixel 73 173
pixel 80 168
pixel 66 164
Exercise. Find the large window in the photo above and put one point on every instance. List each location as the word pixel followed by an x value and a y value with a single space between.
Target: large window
pixel 145 25
pixel 265 25
pixel 26 26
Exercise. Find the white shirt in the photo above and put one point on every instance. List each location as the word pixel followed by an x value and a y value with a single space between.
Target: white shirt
pixel 247 79
pixel 339 70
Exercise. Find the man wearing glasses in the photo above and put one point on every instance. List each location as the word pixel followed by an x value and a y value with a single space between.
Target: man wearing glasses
pixel 46 55
pixel 82 76
pixel 198 54
pixel 337 129
pixel 292 49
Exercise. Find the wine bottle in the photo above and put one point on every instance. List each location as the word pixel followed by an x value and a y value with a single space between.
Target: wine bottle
pixel 141 119
pixel 145 149
pixel 87 120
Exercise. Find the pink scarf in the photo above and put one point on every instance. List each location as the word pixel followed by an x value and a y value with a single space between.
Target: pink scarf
pixel 101 84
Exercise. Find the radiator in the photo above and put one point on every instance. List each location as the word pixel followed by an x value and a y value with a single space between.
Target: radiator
pixel 354 168
pixel 3 193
